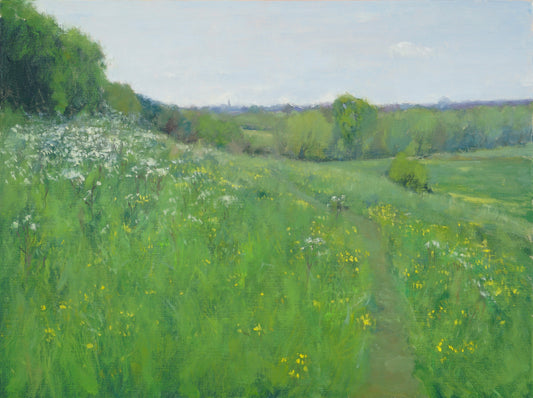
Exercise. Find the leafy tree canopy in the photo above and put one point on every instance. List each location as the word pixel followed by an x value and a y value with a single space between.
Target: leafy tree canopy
pixel 44 68
pixel 354 117
pixel 122 98
pixel 308 135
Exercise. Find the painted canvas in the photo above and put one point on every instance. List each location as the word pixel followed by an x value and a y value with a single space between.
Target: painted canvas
pixel 266 198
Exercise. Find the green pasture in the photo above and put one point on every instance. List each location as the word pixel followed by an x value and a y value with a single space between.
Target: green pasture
pixel 136 266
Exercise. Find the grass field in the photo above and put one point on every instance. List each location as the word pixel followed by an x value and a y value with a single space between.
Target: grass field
pixel 136 266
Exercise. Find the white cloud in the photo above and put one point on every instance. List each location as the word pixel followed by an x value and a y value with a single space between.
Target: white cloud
pixel 410 50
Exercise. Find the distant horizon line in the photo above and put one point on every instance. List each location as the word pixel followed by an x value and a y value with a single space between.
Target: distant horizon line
pixel 444 101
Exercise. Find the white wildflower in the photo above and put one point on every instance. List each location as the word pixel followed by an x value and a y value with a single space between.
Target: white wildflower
pixel 228 200
pixel 194 219
pixel 73 175
pixel 311 243
pixel 161 172
pixel 432 244
pixel 204 195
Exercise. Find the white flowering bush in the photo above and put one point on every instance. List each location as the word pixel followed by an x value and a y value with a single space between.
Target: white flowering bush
pixel 70 150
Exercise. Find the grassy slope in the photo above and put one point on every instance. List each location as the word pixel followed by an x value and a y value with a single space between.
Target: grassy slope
pixel 133 266
pixel 171 270
pixel 481 258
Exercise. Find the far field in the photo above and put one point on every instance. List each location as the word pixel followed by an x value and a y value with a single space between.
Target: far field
pixel 136 266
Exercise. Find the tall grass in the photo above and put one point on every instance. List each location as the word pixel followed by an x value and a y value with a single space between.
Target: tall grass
pixel 465 268
pixel 135 267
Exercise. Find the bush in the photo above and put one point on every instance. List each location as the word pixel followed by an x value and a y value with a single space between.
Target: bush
pixel 10 118
pixel 172 121
pixel 122 98
pixel 410 173
pixel 215 131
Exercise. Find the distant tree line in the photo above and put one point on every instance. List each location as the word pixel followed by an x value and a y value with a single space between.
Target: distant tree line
pixel 191 125
pixel 422 131
pixel 327 133
pixel 354 129
pixel 50 70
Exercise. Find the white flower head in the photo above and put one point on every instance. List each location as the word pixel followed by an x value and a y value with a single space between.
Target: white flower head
pixel 228 200
pixel 432 244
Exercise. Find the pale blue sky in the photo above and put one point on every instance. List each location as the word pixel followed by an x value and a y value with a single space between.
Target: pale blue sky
pixel 262 52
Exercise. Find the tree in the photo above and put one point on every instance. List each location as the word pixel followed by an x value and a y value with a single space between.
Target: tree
pixel 354 118
pixel 78 80
pixel 308 135
pixel 28 49
pixel 215 131
pixel 44 68
pixel 422 126
pixel 172 121
pixel 122 98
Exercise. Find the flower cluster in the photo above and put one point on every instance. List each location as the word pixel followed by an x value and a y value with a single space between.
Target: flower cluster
pixel 310 244
pixel 337 203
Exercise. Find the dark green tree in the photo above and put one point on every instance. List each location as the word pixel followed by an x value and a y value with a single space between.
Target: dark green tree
pixel 44 68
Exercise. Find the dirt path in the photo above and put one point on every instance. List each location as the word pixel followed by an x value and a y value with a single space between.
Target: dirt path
pixel 391 360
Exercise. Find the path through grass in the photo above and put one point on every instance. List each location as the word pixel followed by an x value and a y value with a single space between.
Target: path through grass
pixel 134 266
pixel 391 358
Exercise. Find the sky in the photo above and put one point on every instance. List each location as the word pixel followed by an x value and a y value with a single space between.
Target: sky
pixel 309 52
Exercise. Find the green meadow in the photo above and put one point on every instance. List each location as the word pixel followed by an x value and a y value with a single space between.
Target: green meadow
pixel 336 250
pixel 133 265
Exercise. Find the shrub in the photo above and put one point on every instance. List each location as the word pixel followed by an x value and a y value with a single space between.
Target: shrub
pixel 172 121
pixel 122 98
pixel 215 131
pixel 410 173
pixel 10 118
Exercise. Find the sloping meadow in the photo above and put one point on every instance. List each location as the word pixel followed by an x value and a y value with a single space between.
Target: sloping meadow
pixel 133 266
pixel 462 257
